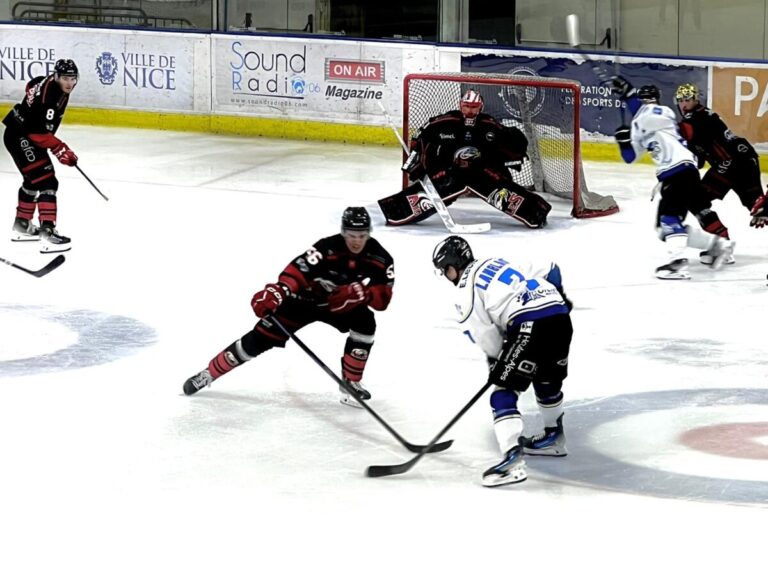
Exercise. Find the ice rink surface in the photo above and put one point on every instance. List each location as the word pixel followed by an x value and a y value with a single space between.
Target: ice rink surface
pixel 108 469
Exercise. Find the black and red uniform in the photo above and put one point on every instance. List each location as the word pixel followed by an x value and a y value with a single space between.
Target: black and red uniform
pixel 461 159
pixel 310 279
pixel 30 132
pixel 734 164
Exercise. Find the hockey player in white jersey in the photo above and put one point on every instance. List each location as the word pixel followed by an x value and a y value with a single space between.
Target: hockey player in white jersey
pixel 654 129
pixel 519 316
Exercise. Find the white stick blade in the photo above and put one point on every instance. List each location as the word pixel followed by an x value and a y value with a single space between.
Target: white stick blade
pixel 572 29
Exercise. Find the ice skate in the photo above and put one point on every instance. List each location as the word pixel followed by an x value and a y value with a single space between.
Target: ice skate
pixel 348 399
pixel 551 442
pixel 708 259
pixel 197 382
pixel 52 241
pixel 24 231
pixel 510 470
pixel 675 270
pixel 722 252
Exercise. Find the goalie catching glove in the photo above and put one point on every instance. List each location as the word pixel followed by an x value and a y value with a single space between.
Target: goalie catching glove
pixel 268 300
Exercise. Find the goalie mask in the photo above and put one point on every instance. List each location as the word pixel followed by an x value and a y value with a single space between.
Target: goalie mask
pixel 453 251
pixel 471 105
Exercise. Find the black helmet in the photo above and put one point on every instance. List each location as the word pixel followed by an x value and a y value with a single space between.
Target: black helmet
pixel 649 93
pixel 356 219
pixel 66 68
pixel 453 251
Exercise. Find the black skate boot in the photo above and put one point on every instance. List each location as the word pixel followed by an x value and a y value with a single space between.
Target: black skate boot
pixel 551 442
pixel 52 241
pixel 510 470
pixel 348 399
pixel 24 231
pixel 197 382
pixel 675 270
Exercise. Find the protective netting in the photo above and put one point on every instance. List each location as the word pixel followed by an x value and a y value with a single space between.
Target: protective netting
pixel 545 109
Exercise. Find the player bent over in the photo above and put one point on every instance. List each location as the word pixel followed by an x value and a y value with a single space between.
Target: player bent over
pixel 518 314
pixel 338 281
pixel 654 128
pixel 30 132
pixel 466 152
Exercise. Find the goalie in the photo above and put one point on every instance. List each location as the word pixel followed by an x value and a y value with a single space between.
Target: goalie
pixel 466 152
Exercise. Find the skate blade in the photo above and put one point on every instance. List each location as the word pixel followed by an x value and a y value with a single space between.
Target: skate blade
pixel 514 476
pixel 55 249
pixel 349 401
pixel 557 452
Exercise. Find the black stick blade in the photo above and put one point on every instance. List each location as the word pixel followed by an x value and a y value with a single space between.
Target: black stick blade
pixel 50 267
pixel 439 447
pixel 377 471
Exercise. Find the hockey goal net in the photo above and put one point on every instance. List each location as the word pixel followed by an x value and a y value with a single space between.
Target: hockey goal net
pixel 545 109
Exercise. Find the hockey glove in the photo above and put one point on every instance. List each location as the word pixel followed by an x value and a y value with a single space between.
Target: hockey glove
pixel 623 136
pixel 620 86
pixel 347 297
pixel 759 212
pixel 64 154
pixel 266 301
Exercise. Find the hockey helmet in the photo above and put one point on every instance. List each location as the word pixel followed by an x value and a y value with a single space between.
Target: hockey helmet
pixel 471 105
pixel 453 251
pixel 687 92
pixel 649 93
pixel 66 67
pixel 356 219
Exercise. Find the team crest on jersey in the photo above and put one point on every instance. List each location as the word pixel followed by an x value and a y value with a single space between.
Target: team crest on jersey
pixel 106 68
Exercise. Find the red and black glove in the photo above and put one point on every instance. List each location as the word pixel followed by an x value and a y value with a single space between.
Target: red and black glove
pixel 266 301
pixel 759 212
pixel 64 154
pixel 347 297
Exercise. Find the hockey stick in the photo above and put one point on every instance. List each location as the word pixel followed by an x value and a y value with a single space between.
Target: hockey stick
pixel 416 448
pixel 91 182
pixel 50 267
pixel 377 471
pixel 572 29
pixel 432 193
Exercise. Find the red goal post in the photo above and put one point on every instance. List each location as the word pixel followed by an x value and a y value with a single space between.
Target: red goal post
pixel 545 109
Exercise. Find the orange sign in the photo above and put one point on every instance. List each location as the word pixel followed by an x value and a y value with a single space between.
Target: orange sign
pixel 740 97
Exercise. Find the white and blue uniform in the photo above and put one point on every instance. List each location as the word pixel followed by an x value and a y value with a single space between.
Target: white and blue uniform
pixel 495 297
pixel 654 129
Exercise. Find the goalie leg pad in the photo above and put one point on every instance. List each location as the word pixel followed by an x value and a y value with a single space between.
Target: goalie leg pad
pixel 412 205
pixel 521 204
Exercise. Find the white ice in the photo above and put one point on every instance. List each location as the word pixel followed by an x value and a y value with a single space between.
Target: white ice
pixel 108 469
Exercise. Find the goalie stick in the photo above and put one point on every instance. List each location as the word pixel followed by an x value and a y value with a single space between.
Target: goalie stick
pixel 376 471
pixel 433 195
pixel 416 448
pixel 50 267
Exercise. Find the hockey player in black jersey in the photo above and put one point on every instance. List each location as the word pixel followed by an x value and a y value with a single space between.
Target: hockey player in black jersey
pixel 466 152
pixel 30 132
pixel 339 281
pixel 734 164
